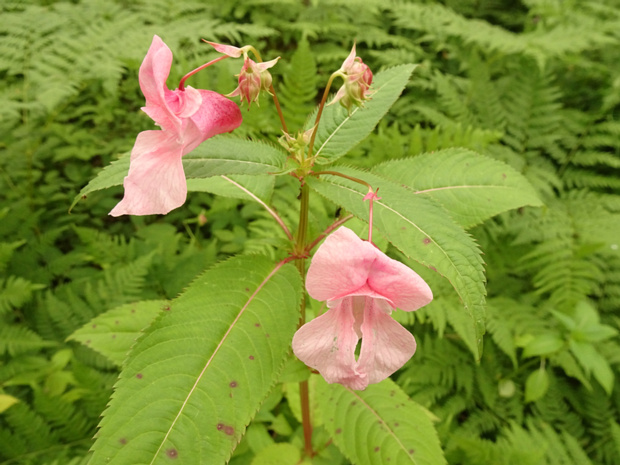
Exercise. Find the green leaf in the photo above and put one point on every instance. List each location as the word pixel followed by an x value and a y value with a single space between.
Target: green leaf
pixel 470 186
pixel 6 401
pixel 222 155
pixel 235 186
pixel 536 385
pixel 339 131
pixel 592 361
pixel 379 425
pixel 278 454
pixel 543 345
pixel 114 332
pixel 419 228
pixel 226 155
pixel 199 374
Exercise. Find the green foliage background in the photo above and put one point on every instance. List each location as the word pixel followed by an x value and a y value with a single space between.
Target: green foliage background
pixel 533 83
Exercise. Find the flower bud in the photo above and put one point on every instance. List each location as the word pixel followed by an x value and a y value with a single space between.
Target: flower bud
pixel 357 80
pixel 253 79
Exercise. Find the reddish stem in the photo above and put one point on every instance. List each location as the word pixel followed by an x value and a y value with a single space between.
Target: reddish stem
pixel 304 395
pixel 335 225
pixel 200 68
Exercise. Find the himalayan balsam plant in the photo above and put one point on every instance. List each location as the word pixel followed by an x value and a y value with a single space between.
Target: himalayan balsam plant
pixel 196 370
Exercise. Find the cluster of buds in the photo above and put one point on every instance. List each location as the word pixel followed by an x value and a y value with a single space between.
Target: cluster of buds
pixel 357 80
pixel 253 77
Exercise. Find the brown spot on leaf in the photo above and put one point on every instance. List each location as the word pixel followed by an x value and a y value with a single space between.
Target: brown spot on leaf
pixel 504 175
pixel 166 308
pixel 257 325
pixel 433 268
pixel 396 424
pixel 251 357
pixel 411 451
pixel 94 326
pixel 139 376
pixel 87 342
pixel 267 335
pixel 338 430
pixel 116 322
pixel 133 310
pixel 377 449
pixel 247 289
pixel 172 453
pixel 113 336
pixel 426 240
pixel 233 384
pixel 354 402
pixel 122 441
pixel 392 393
pixel 227 429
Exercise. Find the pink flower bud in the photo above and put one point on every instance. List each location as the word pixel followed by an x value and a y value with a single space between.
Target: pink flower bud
pixel 357 80
pixel 253 79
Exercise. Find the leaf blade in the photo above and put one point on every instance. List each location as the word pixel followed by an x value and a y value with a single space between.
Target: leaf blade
pixel 470 186
pixel 339 132
pixel 379 425
pixel 114 332
pixel 203 368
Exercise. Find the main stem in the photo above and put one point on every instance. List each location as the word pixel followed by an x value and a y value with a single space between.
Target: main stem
pixel 300 246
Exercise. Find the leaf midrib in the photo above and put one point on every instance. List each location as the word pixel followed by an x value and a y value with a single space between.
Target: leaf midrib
pixel 230 328
pixel 464 186
pixel 374 412
pixel 318 152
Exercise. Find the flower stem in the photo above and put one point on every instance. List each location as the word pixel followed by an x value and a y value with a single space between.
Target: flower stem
pixel 200 68
pixel 350 178
pixel 272 90
pixel 334 225
pixel 320 112
pixel 300 247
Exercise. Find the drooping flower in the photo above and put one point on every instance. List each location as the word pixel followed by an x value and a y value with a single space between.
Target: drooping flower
pixel 156 182
pixel 357 80
pixel 253 79
pixel 361 286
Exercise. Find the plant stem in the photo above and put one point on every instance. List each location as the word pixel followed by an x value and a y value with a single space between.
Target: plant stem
pixel 320 112
pixel 200 68
pixel 300 247
pixel 350 178
pixel 333 226
pixel 277 103
pixel 272 91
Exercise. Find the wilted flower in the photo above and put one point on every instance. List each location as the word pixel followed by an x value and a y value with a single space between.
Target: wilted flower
pixel 253 79
pixel 156 180
pixel 361 286
pixel 357 80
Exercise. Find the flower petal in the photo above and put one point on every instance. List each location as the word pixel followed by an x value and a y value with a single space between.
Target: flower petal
pixel 231 51
pixel 340 266
pixel 348 62
pixel 153 74
pixel 216 115
pixel 398 283
pixel 386 345
pixel 327 344
pixel 156 181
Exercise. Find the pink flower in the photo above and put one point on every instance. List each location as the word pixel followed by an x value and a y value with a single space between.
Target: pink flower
pixel 229 50
pixel 362 286
pixel 253 79
pixel 357 80
pixel 156 180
